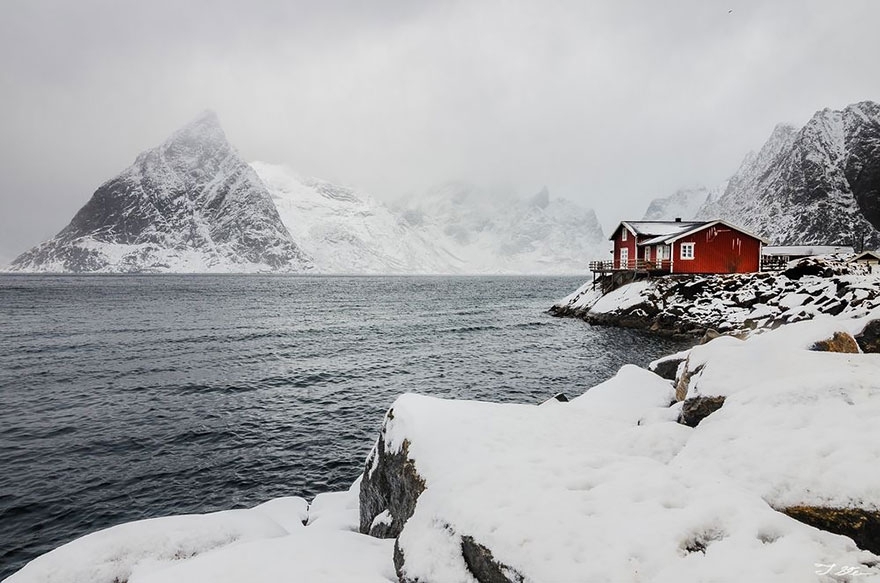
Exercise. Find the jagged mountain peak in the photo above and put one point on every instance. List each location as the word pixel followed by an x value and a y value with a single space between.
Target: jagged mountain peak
pixel 188 204
pixel 201 138
pixel 819 184
pixel 684 203
pixel 542 199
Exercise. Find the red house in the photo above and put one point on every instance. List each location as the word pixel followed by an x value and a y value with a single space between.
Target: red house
pixel 684 247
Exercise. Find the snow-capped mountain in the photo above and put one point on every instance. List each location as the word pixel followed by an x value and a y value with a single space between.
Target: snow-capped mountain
pixel 348 231
pixel 189 205
pixel 193 205
pixel 816 185
pixel 684 203
pixel 453 229
pixel 492 232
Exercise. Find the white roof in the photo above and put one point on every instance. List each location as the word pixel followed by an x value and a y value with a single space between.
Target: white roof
pixel 867 255
pixel 656 228
pixel 805 250
pixel 694 227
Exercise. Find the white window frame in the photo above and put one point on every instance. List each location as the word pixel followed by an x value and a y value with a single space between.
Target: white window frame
pixel 624 258
pixel 687 251
pixel 623 234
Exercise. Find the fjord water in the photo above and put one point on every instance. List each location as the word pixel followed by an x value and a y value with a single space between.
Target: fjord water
pixel 128 397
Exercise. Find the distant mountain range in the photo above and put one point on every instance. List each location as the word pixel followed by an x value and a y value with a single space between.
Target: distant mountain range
pixel 193 205
pixel 819 184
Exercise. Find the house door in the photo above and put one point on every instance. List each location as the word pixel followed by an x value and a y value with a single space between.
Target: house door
pixel 624 258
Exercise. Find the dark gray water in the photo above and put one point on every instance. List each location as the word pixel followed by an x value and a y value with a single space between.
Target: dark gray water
pixel 127 397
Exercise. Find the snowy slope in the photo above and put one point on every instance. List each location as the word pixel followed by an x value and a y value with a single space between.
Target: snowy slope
pixel 494 232
pixel 347 231
pixel 453 229
pixel 684 203
pixel 816 185
pixel 189 205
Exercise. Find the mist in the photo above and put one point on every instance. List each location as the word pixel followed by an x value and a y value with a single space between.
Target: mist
pixel 609 104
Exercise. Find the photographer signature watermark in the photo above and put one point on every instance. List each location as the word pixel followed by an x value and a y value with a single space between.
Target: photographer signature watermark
pixel 834 570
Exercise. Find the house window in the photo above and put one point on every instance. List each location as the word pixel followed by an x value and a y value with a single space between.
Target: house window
pixel 647 253
pixel 687 250
pixel 624 257
pixel 623 235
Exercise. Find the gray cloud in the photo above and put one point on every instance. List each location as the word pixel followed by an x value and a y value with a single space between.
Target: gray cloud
pixel 607 103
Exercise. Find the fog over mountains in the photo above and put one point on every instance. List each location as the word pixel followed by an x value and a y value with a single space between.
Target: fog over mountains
pixel 193 205
pixel 819 184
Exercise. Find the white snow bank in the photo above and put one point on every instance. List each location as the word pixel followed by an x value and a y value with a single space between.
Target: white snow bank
pixel 290 512
pixel 585 493
pixel 336 510
pixel 631 393
pixel 779 360
pixel 112 554
pixel 797 427
pixel 266 543
pixel 623 297
pixel 306 555
pixel 581 299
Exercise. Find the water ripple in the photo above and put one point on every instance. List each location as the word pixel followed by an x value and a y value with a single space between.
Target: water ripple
pixel 127 397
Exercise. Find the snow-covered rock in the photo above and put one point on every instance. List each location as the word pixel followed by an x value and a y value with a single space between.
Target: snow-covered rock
pixel 730 303
pixel 797 426
pixel 589 490
pixel 267 543
pixel 113 554
pixel 819 184
pixel 189 205
pixel 307 555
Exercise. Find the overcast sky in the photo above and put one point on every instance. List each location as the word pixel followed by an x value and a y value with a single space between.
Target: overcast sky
pixel 607 103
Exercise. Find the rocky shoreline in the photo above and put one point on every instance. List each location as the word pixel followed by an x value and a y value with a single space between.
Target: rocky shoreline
pixel 690 305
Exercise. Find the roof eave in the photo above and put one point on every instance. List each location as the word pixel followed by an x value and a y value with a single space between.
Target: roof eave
pixel 674 238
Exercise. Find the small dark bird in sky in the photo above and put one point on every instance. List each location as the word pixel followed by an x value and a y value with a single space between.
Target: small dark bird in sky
pixel 730 11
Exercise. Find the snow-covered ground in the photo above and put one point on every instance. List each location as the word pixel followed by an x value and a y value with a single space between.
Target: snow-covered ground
pixel 267 543
pixel 608 487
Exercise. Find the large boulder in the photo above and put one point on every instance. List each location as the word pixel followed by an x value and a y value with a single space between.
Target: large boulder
pixel 390 487
pixel 839 342
pixel 696 409
pixel 859 524
pixel 514 493
pixel 869 338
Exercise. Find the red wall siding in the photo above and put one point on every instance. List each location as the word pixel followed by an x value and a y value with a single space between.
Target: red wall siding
pixel 630 244
pixel 718 249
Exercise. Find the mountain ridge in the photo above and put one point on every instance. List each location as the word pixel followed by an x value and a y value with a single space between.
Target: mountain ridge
pixel 813 185
pixel 192 205
pixel 189 204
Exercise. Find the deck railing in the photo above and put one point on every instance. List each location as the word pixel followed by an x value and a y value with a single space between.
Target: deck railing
pixel 630 265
